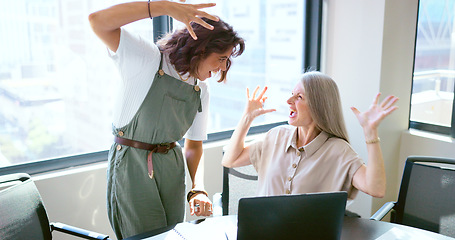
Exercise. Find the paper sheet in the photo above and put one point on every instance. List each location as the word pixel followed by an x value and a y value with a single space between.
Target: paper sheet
pixel 398 234
pixel 206 230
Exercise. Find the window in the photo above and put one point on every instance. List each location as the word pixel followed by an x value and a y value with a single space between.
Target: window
pixel 57 84
pixel 432 100
pixel 56 81
pixel 273 57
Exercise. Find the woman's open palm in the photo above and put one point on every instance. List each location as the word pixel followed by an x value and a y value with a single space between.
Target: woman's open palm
pixel 254 107
pixel 187 13
pixel 377 112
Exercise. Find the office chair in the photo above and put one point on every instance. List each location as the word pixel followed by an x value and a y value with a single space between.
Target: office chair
pixel 237 183
pixel 23 215
pixel 427 196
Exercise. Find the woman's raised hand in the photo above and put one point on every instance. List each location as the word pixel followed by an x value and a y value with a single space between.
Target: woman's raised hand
pixel 187 13
pixel 255 104
pixel 371 118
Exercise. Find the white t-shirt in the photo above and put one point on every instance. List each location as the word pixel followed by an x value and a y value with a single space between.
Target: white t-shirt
pixel 138 60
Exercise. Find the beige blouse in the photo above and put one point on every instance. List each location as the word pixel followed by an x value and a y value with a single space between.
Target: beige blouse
pixel 326 164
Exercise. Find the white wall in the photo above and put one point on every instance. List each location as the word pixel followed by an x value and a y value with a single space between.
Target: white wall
pixel 368 49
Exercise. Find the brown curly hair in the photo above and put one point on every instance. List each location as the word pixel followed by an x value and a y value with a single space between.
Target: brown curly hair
pixel 185 53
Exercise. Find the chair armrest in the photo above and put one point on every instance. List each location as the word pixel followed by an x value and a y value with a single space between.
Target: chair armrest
pixel 379 215
pixel 79 232
pixel 217 205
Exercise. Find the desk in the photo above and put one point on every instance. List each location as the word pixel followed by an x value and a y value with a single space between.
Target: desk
pixel 225 227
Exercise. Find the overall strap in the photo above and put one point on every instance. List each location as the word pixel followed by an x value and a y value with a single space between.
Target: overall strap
pixel 161 61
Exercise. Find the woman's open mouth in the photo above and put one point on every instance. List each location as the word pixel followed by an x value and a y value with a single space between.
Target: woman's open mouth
pixel 213 73
pixel 292 113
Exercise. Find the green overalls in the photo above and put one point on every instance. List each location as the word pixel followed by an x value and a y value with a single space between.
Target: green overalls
pixel 137 203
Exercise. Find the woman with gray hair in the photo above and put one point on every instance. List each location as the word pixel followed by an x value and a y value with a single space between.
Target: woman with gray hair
pixel 312 153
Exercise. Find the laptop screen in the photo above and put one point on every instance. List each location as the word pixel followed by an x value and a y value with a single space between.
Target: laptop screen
pixel 305 216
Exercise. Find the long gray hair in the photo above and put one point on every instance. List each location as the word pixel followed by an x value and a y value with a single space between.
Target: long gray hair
pixel 324 102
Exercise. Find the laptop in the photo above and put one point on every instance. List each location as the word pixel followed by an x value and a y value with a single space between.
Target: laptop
pixel 306 216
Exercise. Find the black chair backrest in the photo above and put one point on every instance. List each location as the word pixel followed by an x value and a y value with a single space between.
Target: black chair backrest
pixel 427 195
pixel 237 183
pixel 22 214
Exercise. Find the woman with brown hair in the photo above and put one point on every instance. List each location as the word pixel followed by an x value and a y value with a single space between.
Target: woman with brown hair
pixel 162 98
pixel 312 153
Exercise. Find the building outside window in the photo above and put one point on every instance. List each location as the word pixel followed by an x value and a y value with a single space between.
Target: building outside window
pixel 273 57
pixel 58 85
pixel 434 68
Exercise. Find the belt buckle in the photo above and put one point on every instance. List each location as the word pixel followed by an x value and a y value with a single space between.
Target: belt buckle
pixel 167 146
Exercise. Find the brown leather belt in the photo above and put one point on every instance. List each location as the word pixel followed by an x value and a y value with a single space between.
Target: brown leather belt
pixel 153 148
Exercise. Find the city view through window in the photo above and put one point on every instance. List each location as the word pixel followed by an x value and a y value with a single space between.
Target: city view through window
pixel 434 69
pixel 58 85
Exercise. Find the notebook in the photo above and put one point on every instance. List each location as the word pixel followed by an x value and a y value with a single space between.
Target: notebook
pixel 306 216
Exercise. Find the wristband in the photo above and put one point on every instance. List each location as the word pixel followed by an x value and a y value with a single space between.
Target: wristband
pixel 193 193
pixel 148 5
pixel 376 140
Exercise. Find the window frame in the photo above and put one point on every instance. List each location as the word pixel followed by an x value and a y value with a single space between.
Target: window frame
pixel 434 128
pixel 161 25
